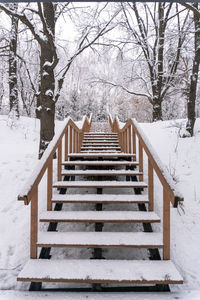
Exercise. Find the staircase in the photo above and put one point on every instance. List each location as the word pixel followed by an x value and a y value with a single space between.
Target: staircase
pixel 100 170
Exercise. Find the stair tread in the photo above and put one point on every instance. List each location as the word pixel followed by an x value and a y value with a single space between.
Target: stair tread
pixel 101 172
pixel 127 239
pixel 110 271
pixel 104 216
pixel 97 154
pixel 105 198
pixel 96 184
pixel 101 163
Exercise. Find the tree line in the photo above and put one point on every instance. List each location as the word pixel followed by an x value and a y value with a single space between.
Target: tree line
pixel 147 52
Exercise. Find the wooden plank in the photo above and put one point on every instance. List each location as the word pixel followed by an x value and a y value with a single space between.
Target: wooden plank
pixel 100 239
pixel 99 154
pixel 99 163
pixel 34 224
pixel 140 161
pixel 100 184
pixel 49 184
pixel 70 140
pixel 100 216
pixel 150 186
pixel 166 225
pixel 99 198
pixel 101 271
pixel 100 173
pixel 66 144
pixel 59 161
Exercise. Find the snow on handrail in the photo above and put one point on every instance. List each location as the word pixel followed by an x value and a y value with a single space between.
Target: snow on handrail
pixel 159 167
pixel 34 179
pixel 154 156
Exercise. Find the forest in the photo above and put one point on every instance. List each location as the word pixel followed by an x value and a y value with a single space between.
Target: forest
pixel 70 59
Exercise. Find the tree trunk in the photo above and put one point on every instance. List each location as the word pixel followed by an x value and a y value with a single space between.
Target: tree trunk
pixel 157 109
pixel 46 109
pixel 13 89
pixel 194 78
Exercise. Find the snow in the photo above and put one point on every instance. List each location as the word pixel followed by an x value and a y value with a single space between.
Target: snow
pixel 101 238
pixel 113 270
pixel 19 151
pixel 127 216
pixel 42 162
pixel 113 183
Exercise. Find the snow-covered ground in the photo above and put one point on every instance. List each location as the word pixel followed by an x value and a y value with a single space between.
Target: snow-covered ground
pixel 18 156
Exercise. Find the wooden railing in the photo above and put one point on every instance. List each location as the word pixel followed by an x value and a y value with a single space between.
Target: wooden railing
pixel 67 140
pixel 133 140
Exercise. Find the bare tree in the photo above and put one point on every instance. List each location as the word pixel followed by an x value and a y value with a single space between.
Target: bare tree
pixel 44 33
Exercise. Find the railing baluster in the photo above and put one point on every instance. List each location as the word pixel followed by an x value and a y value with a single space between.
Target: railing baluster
pixel 125 141
pixel 70 139
pixel 77 139
pixel 166 225
pixel 34 224
pixel 59 161
pixel 140 161
pixel 66 144
pixel 49 184
pixel 150 186
pixel 129 139
pixel 134 142
pixel 74 141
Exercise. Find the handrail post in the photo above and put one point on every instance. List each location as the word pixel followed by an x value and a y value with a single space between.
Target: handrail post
pixel 125 141
pixel 59 161
pixel 34 224
pixel 49 184
pixel 66 144
pixel 166 225
pixel 140 161
pixel 150 186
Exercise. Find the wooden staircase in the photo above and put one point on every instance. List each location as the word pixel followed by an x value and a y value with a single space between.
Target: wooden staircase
pixel 105 169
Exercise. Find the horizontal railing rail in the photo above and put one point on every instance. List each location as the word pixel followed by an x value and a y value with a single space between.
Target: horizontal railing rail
pixel 133 140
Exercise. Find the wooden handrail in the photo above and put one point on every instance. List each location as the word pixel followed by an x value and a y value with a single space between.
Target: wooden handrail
pixel 43 164
pixel 154 160
pixel 132 129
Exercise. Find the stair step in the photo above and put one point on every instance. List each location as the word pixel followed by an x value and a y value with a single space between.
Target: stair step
pixel 110 139
pixel 99 133
pixel 100 148
pixel 99 184
pixel 100 154
pixel 101 271
pixel 102 198
pixel 100 239
pixel 99 163
pixel 100 216
pixel 100 173
pixel 100 143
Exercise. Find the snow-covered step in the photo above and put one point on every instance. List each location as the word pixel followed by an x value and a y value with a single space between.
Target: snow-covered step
pixel 100 239
pixel 100 154
pixel 102 151
pixel 100 148
pixel 100 216
pixel 100 184
pixel 100 143
pixel 101 198
pixel 100 139
pixel 100 173
pixel 101 271
pixel 100 163
pixel 99 133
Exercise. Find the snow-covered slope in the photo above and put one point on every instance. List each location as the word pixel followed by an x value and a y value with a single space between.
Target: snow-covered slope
pixel 18 156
